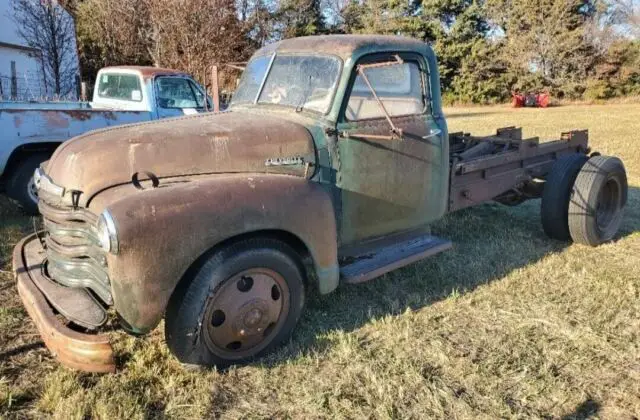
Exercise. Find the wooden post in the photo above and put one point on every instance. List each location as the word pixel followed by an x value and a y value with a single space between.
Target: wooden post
pixel 206 91
pixel 14 81
pixel 83 91
pixel 215 90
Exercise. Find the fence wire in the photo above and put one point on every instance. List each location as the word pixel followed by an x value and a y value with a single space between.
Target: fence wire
pixel 29 86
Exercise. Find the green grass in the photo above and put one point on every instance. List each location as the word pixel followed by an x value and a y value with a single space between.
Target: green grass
pixel 507 324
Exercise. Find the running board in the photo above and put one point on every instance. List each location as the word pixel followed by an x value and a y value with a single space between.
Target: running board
pixel 387 257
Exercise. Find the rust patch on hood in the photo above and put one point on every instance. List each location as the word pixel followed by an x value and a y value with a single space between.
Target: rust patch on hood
pixel 232 142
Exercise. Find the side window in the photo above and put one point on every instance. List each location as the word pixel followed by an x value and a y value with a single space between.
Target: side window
pixel 399 87
pixel 177 92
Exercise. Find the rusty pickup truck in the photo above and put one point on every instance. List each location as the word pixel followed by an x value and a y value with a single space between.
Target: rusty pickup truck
pixel 128 94
pixel 329 168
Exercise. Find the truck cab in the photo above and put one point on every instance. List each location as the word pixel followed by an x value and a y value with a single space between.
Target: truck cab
pixel 162 92
pixel 357 148
pixel 330 166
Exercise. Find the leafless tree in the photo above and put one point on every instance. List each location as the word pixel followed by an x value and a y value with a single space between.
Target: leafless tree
pixel 188 35
pixel 258 19
pixel 47 28
pixel 193 34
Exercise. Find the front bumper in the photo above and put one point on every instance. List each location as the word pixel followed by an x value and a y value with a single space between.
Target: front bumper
pixel 86 352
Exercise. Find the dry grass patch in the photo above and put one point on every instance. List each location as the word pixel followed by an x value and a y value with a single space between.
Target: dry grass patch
pixel 507 324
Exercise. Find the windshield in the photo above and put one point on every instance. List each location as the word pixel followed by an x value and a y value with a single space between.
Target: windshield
pixel 301 82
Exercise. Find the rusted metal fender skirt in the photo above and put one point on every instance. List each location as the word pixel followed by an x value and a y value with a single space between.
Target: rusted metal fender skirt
pixel 85 352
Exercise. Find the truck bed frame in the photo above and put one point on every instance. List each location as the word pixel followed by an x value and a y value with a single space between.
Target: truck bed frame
pixel 505 168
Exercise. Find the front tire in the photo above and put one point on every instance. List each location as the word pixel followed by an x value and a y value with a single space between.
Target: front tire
pixel 21 188
pixel 241 303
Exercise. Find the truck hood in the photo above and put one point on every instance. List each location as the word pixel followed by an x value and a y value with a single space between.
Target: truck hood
pixel 231 142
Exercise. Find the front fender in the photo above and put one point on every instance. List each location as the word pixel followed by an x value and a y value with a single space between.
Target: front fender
pixel 162 231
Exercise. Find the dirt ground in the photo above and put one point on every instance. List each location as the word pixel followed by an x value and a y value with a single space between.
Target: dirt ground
pixel 507 324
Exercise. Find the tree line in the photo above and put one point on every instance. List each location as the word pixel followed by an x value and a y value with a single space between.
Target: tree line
pixel 575 49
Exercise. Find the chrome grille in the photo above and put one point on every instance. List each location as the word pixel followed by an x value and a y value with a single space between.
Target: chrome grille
pixel 74 255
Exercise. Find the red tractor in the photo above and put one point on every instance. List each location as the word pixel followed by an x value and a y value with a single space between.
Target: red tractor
pixel 533 100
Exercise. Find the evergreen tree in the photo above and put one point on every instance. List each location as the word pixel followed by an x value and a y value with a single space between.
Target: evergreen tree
pixel 455 28
pixel 300 18
pixel 545 40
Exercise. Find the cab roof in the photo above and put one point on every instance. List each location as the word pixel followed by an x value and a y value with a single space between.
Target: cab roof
pixel 344 46
pixel 148 71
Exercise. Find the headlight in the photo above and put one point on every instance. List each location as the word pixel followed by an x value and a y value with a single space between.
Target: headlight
pixel 107 233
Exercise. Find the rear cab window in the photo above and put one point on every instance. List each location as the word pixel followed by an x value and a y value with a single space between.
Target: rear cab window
pixel 120 86
pixel 400 88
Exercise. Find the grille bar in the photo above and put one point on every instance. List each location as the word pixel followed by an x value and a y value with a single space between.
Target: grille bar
pixel 72 233
pixel 74 256
pixel 79 273
pixel 69 214
pixel 77 251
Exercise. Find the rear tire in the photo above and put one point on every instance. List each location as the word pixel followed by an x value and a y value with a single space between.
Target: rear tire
pixel 20 187
pixel 557 193
pixel 241 303
pixel 598 199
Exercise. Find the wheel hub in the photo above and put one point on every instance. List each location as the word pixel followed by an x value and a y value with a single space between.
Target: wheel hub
pixel 32 190
pixel 253 318
pixel 243 316
pixel 608 204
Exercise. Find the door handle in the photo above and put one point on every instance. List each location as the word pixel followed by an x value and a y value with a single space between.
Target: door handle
pixel 432 133
pixel 427 138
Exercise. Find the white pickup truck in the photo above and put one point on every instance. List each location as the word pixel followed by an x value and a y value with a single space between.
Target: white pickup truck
pixel 30 132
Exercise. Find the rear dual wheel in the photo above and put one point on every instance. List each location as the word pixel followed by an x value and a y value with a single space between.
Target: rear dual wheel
pixel 241 303
pixel 557 193
pixel 597 201
pixel 583 199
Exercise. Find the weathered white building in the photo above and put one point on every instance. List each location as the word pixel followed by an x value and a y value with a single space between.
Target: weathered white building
pixel 21 67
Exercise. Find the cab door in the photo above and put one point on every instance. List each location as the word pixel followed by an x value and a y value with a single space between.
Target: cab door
pixel 177 96
pixel 385 177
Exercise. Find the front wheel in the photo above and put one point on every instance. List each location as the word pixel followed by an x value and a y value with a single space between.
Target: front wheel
pixel 242 302
pixel 21 187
